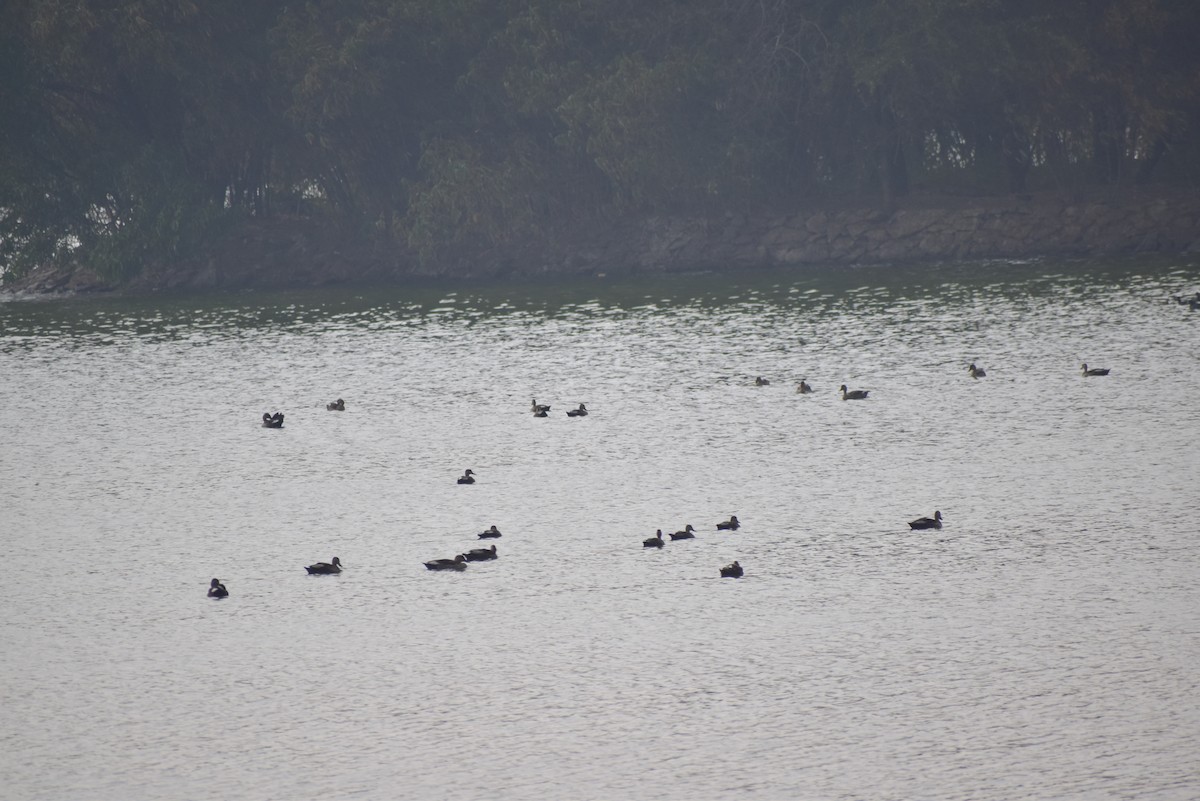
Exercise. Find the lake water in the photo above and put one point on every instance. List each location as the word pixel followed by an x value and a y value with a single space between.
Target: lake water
pixel 1044 644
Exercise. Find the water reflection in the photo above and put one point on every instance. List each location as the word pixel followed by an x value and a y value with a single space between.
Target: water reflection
pixel 971 287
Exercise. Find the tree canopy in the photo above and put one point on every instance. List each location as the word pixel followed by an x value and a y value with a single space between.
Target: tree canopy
pixel 133 132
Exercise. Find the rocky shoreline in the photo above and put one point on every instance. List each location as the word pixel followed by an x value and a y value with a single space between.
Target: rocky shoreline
pixel 291 253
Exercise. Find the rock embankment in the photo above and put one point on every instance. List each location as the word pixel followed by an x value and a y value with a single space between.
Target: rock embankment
pixel 292 253
pixel 976 229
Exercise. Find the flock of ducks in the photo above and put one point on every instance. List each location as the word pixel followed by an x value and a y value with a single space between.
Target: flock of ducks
pixel 543 410
pixel 974 370
pixel 804 388
pixel 688 533
pixel 459 562
pixel 216 589
pixel 1191 301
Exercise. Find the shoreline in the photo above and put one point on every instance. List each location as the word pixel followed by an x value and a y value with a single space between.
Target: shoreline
pixel 294 254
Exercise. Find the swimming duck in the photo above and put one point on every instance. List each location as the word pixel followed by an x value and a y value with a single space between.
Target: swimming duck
pixel 338 405
pixel 536 407
pixel 731 571
pixel 803 388
pixel 457 563
pixel 654 542
pixel 580 412
pixel 325 567
pixel 731 524
pixel 976 372
pixel 1094 370
pixel 481 554
pixel 858 394
pixel 468 477
pixel 761 382
pixel 273 420
pixel 927 522
pixel 491 534
pixel 686 534
pixel 217 590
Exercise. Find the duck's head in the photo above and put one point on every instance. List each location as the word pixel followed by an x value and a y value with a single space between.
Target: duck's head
pixel 842 388
pixel 336 562
pixel 937 515
pixel 214 583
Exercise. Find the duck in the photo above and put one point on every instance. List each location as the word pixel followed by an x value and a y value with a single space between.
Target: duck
pixel 457 563
pixel 803 388
pixel 468 477
pixel 217 590
pixel 491 534
pixel 858 394
pixel 761 382
pixel 733 570
pixel 976 372
pixel 323 568
pixel 1094 370
pixel 481 554
pixel 536 407
pixel 580 412
pixel 273 420
pixel 338 405
pixel 686 534
pixel 654 542
pixel 927 522
pixel 731 524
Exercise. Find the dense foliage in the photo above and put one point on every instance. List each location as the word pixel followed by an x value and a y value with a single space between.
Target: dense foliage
pixel 133 131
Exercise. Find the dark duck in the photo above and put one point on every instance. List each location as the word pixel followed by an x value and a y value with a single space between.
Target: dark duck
pixel 324 568
pixel 922 523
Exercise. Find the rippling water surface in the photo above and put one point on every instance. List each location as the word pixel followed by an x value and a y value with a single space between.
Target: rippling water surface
pixel 1044 644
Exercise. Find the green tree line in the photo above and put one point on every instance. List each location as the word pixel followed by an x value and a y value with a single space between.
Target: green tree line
pixel 136 132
